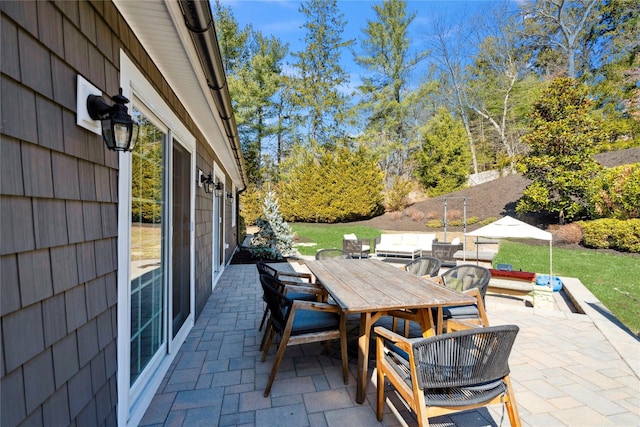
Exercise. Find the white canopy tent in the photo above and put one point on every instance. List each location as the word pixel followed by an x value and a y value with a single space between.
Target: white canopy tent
pixel 511 228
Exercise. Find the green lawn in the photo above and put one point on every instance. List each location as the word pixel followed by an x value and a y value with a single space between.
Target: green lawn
pixel 612 278
pixel 324 236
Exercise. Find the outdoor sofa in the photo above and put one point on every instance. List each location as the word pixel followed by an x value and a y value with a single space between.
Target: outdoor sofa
pixel 412 245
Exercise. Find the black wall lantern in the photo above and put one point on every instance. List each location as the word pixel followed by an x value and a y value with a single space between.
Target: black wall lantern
pixel 218 189
pixel 207 182
pixel 119 130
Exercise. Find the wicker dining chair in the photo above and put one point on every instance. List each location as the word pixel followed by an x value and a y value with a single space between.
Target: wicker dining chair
pixel 287 278
pixel 424 266
pixel 473 280
pixel 300 322
pixel 332 253
pixel 447 373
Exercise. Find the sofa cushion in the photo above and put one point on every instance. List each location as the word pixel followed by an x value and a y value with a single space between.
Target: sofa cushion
pixel 410 240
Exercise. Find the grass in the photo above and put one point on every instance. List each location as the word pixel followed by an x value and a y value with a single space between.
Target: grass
pixel 146 242
pixel 324 236
pixel 612 278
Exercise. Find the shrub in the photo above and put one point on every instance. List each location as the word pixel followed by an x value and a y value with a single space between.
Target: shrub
pixel 617 193
pixel 455 223
pixel 397 215
pixel 397 196
pixel 626 236
pixel 251 204
pixel 489 220
pixel 611 233
pixel 473 220
pixel 597 234
pixel 415 214
pixel 432 215
pixel 569 233
pixel 434 223
pixel 453 214
pixel 322 185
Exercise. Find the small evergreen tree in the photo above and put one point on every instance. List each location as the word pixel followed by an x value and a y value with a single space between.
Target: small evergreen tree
pixel 274 239
pixel 444 158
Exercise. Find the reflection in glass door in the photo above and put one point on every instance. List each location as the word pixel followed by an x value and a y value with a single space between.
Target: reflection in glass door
pixel 147 265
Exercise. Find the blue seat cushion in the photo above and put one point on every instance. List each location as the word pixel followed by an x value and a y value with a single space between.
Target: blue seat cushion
pixel 308 321
pixel 460 312
pixel 304 296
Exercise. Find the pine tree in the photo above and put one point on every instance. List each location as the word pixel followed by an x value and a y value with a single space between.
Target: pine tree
pixel 316 90
pixel 274 239
pixel 386 47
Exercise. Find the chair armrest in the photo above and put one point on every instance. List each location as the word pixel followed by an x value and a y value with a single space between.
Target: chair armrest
pixel 314 285
pixel 315 306
pixel 460 325
pixel 307 276
pixel 475 292
pixel 398 340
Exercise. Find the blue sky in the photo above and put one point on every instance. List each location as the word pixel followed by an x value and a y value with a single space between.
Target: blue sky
pixel 282 19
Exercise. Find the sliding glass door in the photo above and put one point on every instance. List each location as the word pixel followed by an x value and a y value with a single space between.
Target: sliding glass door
pixel 181 238
pixel 148 246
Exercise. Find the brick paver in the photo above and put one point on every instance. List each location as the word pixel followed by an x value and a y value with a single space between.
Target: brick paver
pixel 564 369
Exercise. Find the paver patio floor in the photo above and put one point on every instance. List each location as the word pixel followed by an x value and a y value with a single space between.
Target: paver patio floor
pixel 565 371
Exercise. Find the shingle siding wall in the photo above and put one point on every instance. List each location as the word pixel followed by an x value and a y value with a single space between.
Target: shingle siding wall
pixel 204 232
pixel 58 221
pixel 58 213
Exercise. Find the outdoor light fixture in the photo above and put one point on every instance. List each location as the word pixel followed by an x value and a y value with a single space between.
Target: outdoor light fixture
pixel 119 130
pixel 206 181
pixel 218 189
pixel 230 196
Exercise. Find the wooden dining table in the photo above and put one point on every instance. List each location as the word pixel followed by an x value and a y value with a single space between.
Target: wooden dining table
pixel 373 289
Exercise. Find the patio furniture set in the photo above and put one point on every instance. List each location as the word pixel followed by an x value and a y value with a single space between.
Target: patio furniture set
pixel 412 245
pixel 459 363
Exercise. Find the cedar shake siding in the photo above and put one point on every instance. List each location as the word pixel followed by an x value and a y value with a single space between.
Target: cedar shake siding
pixel 59 212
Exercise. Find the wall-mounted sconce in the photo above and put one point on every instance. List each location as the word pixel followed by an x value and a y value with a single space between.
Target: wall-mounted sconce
pixel 205 181
pixel 119 130
pixel 229 197
pixel 218 189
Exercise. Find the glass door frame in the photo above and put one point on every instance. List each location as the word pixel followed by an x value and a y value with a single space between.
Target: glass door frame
pixel 133 400
pixel 218 242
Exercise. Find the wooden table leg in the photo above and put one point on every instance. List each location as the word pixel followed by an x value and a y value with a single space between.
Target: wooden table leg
pixel 363 356
pixel 425 320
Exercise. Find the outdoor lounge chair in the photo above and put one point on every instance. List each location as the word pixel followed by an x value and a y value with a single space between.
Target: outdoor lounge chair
pixel 357 248
pixel 448 373
pixel 332 253
pixel 300 322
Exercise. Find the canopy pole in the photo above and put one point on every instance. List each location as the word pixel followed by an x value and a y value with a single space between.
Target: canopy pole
pixel 445 220
pixel 551 263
